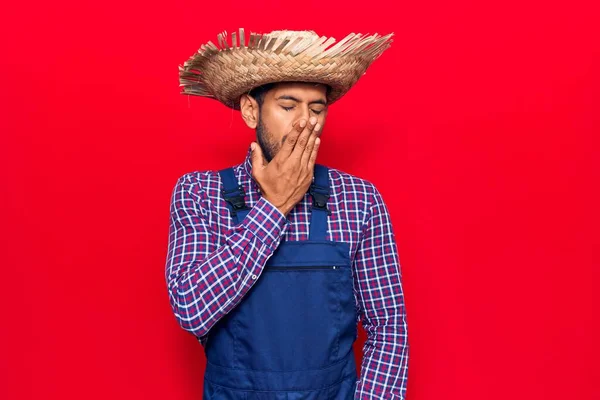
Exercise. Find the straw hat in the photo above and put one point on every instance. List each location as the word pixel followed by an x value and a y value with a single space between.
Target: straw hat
pixel 226 72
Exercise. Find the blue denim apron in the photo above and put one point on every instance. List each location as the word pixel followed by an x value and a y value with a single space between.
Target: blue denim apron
pixel 291 336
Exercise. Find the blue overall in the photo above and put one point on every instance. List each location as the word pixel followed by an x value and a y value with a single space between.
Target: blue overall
pixel 291 336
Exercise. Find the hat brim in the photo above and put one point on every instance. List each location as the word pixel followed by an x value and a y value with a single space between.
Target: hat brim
pixel 226 72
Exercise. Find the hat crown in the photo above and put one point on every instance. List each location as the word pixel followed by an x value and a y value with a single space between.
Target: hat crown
pixel 285 34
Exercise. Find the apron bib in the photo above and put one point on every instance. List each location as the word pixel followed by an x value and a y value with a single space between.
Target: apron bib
pixel 291 336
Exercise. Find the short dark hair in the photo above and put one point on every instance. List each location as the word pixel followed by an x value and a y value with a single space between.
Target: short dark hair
pixel 259 92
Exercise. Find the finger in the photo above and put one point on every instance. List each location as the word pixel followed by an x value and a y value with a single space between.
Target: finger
pixel 313 155
pixel 257 158
pixel 311 143
pixel 290 141
pixel 303 139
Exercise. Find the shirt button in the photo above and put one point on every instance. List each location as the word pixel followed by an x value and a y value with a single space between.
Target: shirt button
pixel 254 276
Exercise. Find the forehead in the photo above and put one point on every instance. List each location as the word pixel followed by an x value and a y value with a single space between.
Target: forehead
pixel 308 91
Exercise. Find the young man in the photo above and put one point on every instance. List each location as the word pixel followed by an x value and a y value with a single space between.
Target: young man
pixel 272 262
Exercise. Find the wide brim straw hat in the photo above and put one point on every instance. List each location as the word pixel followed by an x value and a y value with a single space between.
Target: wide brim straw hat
pixel 227 71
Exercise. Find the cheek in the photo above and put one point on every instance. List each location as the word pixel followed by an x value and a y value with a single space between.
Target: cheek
pixel 280 124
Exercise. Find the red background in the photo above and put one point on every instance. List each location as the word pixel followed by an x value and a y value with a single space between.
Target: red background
pixel 479 126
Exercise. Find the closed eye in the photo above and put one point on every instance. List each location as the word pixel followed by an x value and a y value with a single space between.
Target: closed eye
pixel 289 108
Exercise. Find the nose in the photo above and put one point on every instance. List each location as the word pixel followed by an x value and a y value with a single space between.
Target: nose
pixel 304 113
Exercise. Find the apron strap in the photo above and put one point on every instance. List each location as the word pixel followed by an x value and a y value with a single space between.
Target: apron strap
pixel 233 193
pixel 319 190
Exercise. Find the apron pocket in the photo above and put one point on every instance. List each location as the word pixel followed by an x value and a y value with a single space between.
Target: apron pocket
pixel 290 319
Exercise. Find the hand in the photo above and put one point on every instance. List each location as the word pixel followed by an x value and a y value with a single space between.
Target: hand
pixel 285 180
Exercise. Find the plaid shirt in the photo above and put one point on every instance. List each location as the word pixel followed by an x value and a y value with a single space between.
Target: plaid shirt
pixel 212 263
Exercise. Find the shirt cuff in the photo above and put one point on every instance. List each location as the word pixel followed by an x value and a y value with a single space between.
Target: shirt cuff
pixel 266 222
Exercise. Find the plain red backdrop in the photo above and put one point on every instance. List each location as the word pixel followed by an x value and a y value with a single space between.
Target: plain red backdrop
pixel 479 126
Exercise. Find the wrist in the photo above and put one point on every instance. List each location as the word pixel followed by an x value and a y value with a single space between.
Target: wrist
pixel 283 208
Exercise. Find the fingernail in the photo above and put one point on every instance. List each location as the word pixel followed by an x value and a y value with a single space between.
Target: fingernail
pixel 303 123
pixel 313 120
pixel 317 127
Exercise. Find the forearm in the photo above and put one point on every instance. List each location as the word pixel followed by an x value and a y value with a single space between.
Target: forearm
pixel 384 368
pixel 202 289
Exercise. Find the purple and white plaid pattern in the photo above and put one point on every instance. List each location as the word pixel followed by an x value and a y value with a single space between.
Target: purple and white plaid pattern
pixel 212 263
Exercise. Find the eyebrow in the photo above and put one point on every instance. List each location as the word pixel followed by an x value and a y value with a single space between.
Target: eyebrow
pixel 288 97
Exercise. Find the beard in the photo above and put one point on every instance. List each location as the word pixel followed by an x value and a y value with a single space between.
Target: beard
pixel 264 138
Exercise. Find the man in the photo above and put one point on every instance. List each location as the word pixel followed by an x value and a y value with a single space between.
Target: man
pixel 272 262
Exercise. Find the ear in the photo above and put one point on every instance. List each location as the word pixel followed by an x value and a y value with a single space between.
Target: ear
pixel 249 110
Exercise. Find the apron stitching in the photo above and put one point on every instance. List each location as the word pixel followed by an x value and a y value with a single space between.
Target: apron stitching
pixel 342 379
pixel 339 317
pixel 268 371
pixel 235 360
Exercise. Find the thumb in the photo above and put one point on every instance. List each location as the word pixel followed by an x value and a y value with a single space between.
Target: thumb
pixel 257 158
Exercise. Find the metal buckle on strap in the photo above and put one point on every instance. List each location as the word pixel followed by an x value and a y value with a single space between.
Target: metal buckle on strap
pixel 320 197
pixel 237 200
pixel 240 189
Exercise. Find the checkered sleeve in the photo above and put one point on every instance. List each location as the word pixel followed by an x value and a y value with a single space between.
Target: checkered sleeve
pixel 384 369
pixel 205 279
